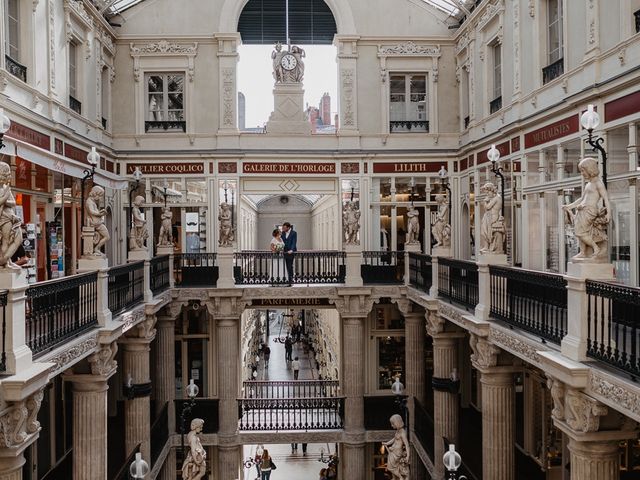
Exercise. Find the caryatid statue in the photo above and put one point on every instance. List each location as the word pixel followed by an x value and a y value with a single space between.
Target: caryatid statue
pixel 95 219
pixel 351 223
pixel 195 465
pixel 10 231
pixel 398 450
pixel 492 228
pixel 165 237
pixel 441 229
pixel 226 225
pixel 591 214
pixel 413 225
pixel 139 232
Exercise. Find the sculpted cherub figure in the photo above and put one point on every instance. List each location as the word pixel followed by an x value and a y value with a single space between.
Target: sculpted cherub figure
pixel 398 450
pixel 10 231
pixel 195 465
pixel 138 225
pixel 351 223
pixel 441 229
pixel 226 225
pixel 165 237
pixel 95 219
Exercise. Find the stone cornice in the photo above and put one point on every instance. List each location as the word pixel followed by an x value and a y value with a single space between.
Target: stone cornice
pixel 616 393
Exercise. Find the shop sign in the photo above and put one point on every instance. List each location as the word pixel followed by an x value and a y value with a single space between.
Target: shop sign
pixel 75 153
pixel 29 135
pixel 166 168
pixel 556 130
pixel 289 302
pixel 408 167
pixel 515 144
pixel 289 168
pixel 621 107
pixel 503 148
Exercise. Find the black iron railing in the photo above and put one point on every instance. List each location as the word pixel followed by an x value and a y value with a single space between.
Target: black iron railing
pixel 62 469
pixel 378 409
pixel 126 286
pixel 123 472
pixel 261 267
pixel 495 105
pixel 204 408
pixel 424 428
pixel 195 270
pixel 15 69
pixel 75 105
pixel 382 267
pixel 613 316
pixel 4 295
pixel 533 301
pixel 159 433
pixel 160 272
pixel 173 125
pixel 458 281
pixel 290 389
pixel 104 123
pixel 305 413
pixel 58 310
pixel 397 126
pixel 420 268
pixel 636 15
pixel 552 71
pixel 466 122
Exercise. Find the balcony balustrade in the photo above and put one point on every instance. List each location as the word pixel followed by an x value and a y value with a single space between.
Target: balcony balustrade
pixel 424 428
pixel 495 105
pixel 552 71
pixel 382 267
pixel 75 105
pixel 458 281
pixel 195 270
pixel 404 126
pixel 164 126
pixel 268 268
pixel 159 433
pixel 15 69
pixel 290 389
pixel 160 274
pixel 126 286
pixel 420 271
pixel 303 413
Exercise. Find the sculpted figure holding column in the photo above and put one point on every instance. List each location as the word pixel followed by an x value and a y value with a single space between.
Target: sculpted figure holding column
pixel 10 231
pixel 413 225
pixel 492 222
pixel 441 229
pixel 592 214
pixel 195 465
pixel 276 56
pixel 95 219
pixel 226 225
pixel 165 237
pixel 351 224
pixel 398 451
pixel 139 232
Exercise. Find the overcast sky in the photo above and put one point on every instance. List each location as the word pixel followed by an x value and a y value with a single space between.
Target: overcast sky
pixel 255 79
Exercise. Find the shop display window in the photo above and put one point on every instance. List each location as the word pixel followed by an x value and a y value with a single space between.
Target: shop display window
pixel 620 230
pixel 390 360
pixel 616 146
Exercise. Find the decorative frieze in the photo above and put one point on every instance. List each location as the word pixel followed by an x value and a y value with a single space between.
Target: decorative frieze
pixel 490 11
pixel 515 345
pixel 164 47
pixel 625 397
pixel 228 100
pixel 69 355
pixel 409 48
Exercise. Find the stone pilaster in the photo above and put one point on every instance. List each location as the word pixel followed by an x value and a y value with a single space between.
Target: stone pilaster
pixel 594 460
pixel 229 461
pixel 90 415
pixel 136 348
pixel 165 364
pixel 353 377
pixel 228 383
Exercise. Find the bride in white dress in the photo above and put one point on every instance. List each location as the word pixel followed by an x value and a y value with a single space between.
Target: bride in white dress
pixel 277 268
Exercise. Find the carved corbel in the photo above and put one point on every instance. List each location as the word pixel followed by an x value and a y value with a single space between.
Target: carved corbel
pixel 12 425
pixel 435 323
pixel 103 361
pixel 33 404
pixel 557 389
pixel 582 412
pixel 146 329
pixel 485 354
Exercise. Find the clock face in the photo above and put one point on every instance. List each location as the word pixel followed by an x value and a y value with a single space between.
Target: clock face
pixel 288 62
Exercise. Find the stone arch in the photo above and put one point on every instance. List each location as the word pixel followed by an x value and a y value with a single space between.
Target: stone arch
pixel 231 10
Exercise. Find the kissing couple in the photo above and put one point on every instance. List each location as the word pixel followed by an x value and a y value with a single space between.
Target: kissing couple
pixel 284 243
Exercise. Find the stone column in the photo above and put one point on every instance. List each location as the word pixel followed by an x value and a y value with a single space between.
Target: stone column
pixel 229 461
pixel 11 467
pixel 168 471
pixel 136 347
pixel 594 460
pixel 90 415
pixel 415 368
pixel 165 382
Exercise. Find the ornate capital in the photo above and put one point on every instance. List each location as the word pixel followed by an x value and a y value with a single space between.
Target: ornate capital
pixel 19 420
pixel 583 413
pixel 485 354
pixel 557 393
pixel 103 361
pixel 435 323
pixel 354 305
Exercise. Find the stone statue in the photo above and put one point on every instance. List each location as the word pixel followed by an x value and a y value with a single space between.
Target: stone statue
pixel 195 465
pixel 591 218
pixel 139 232
pixel 441 229
pixel 398 450
pixel 95 219
pixel 276 56
pixel 226 225
pixel 492 228
pixel 297 74
pixel 10 231
pixel 351 223
pixel 165 237
pixel 413 225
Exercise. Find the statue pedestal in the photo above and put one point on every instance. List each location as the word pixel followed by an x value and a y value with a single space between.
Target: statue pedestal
pixel 225 268
pixel 594 271
pixel 441 252
pixel 164 250
pixel 353 262
pixel 288 110
pixel 92 262
pixel 492 258
pixel 18 354
pixel 137 255
pixel 87 241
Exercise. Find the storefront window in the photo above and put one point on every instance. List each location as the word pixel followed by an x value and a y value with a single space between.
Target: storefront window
pixel 406 186
pixel 572 156
pixel 350 190
pixel 534 233
pixel 551 167
pixel 533 176
pixel 192 339
pixel 196 191
pixel 620 241
pixel 570 241
pixel 390 361
pixel 553 232
pixel 170 187
pixel 617 156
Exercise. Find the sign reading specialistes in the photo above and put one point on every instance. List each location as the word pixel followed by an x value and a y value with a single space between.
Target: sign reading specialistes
pixel 289 168
pixel 165 168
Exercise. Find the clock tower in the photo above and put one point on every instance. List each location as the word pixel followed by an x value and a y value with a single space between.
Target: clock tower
pixel 288 93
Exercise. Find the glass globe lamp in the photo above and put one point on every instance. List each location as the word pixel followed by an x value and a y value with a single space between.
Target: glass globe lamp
pixel 139 468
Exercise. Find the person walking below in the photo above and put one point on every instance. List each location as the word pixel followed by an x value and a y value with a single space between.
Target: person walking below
pixel 258 460
pixel 267 354
pixel 266 465
pixel 295 365
pixel 288 349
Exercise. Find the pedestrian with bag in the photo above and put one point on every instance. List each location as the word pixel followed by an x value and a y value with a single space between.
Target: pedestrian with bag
pixel 258 460
pixel 266 465
pixel 295 365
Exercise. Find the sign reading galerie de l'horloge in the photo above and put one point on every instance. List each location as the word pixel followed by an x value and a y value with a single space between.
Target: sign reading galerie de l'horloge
pixel 322 168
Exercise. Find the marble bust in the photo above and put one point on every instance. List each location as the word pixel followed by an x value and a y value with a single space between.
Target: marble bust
pixel 195 465
pixel 398 450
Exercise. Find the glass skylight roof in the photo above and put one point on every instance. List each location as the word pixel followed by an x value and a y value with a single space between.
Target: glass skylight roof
pixel 118 6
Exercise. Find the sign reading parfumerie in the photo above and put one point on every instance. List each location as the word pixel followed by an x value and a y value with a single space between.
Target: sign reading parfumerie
pixel 289 302
pixel 289 168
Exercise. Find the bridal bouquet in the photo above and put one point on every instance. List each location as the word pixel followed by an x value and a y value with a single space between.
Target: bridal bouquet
pixel 279 248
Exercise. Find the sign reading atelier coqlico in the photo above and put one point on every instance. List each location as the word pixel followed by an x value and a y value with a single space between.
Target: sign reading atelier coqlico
pixel 164 168
pixel 289 168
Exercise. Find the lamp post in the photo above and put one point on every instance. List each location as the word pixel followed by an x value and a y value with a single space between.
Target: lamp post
pixel 279 339
pixel 397 388
pixel 165 185
pixel 137 176
pixel 5 125
pixel 139 468
pixel 452 462
pixel 443 174
pixel 93 158
pixel 352 184
pixel 192 393
pixel 493 154
pixel 590 121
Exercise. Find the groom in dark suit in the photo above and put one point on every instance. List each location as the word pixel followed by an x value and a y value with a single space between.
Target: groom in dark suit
pixel 290 238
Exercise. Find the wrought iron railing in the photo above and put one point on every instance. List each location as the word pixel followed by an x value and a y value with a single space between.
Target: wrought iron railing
pixel 15 69
pixel 636 14
pixel 172 125
pixel 195 270
pixel 104 123
pixel 495 105
pixel 75 105
pixel 467 120
pixel 159 433
pixel 262 267
pixel 62 469
pixel 613 333
pixel 378 409
pixel 424 428
pixel 305 413
pixel 57 310
pixel 420 268
pixel 204 408
pixel 552 71
pixel 458 281
pixel 126 286
pixel 382 267
pixel 4 294
pixel 533 301
pixel 290 389
pixel 397 126
pixel 160 272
